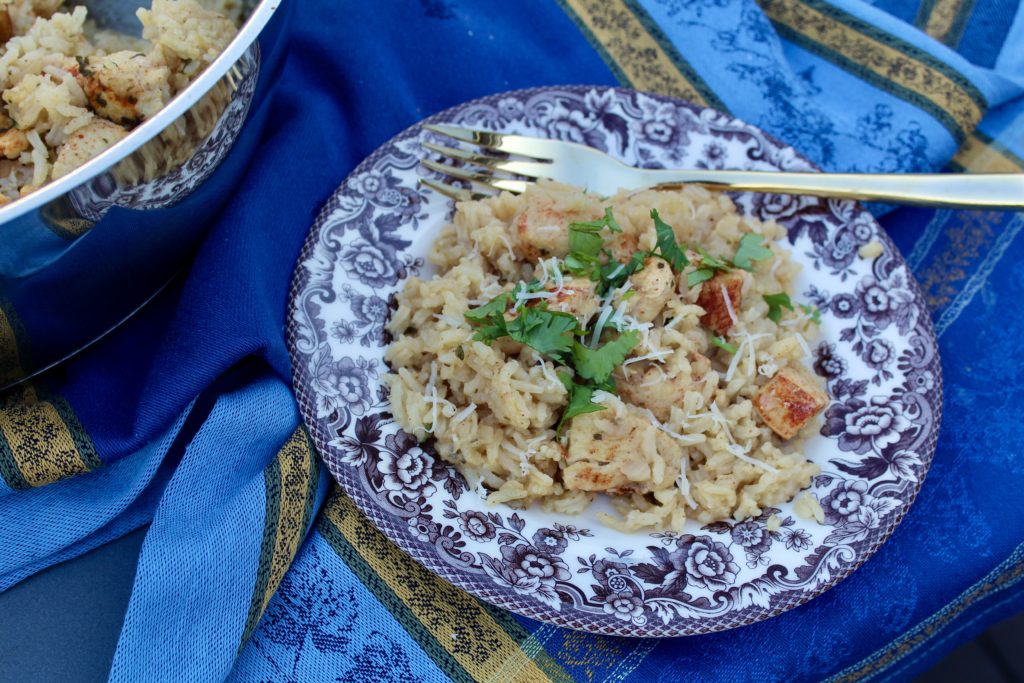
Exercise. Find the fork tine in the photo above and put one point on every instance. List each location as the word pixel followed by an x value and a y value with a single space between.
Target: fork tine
pixel 536 148
pixel 530 169
pixel 459 194
pixel 488 181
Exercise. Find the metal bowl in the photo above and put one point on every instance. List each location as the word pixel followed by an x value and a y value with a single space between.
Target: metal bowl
pixel 83 253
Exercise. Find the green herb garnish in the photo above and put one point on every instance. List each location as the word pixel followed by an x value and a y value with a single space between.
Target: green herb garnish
pixel 813 311
pixel 598 364
pixel 580 400
pixel 667 246
pixel 722 344
pixel 544 331
pixel 776 302
pixel 750 249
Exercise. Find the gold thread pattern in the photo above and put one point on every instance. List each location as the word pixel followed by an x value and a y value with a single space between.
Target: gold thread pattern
pixel 998 580
pixel 44 444
pixel 944 20
pixel 969 239
pixel 635 55
pixel 10 359
pixel 875 57
pixel 456 620
pixel 979 156
pixel 297 462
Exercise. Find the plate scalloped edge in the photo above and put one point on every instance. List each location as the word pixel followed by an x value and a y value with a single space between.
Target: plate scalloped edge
pixel 879 356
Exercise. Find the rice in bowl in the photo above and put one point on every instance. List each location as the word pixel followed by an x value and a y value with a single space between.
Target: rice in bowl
pixel 642 346
pixel 70 90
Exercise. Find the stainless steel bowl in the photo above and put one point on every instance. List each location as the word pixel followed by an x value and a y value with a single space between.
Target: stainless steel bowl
pixel 82 254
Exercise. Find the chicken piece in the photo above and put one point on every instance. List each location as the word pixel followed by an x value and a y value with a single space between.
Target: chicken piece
pixel 577 296
pixel 607 455
pixel 543 230
pixel 125 87
pixel 6 26
pixel 654 285
pixel 712 299
pixel 86 143
pixel 789 401
pixel 656 390
pixel 13 142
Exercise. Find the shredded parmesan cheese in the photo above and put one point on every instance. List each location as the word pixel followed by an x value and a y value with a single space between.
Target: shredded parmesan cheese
pixel 463 414
pixel 728 305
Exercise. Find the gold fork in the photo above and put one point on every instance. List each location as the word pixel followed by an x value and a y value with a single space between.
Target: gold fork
pixel 577 164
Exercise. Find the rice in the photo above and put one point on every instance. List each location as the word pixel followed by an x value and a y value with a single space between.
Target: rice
pixel 676 441
pixel 59 74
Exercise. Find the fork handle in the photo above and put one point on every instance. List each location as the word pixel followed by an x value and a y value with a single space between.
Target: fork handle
pixel 970 190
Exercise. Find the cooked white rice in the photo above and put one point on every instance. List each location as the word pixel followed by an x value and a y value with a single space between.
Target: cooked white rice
pixel 64 82
pixel 491 409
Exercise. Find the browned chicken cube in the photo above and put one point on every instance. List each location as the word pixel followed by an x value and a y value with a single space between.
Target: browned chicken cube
pixel 654 389
pixel 6 26
pixel 12 143
pixel 789 401
pixel 712 299
pixel 542 230
pixel 605 456
pixel 654 285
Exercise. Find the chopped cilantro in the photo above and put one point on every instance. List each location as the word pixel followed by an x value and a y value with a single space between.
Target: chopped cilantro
pixel 709 261
pixel 750 249
pixel 698 276
pixel 776 302
pixel 586 245
pixel 460 353
pixel 709 265
pixel 722 344
pixel 813 311
pixel 495 306
pixel 667 246
pixel 613 274
pixel 597 364
pixel 580 401
pixel 547 332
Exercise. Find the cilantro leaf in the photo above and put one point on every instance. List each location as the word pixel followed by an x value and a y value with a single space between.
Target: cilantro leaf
pixel 813 311
pixel 497 305
pixel 580 401
pixel 610 222
pixel 709 261
pixel 776 302
pixel 722 344
pixel 614 274
pixel 698 276
pixel 597 364
pixel 491 329
pixel 750 249
pixel 667 245
pixel 547 332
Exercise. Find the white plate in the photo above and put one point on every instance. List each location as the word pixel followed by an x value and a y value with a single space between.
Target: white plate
pixel 878 354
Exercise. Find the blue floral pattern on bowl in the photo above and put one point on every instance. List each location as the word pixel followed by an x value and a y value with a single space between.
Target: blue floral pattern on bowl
pixel 878 355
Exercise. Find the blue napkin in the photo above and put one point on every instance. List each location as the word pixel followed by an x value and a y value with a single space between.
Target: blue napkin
pixel 184 419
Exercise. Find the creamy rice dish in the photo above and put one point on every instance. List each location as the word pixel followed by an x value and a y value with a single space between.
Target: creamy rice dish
pixel 645 346
pixel 70 89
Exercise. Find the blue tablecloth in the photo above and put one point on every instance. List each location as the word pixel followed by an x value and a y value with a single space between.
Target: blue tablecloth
pixel 253 569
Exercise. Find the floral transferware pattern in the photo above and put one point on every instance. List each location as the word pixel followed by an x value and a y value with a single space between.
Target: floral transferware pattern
pixel 878 355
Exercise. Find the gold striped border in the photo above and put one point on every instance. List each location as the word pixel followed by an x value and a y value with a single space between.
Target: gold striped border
pixel 11 366
pixel 979 154
pixel 944 20
pixel 463 636
pixel 41 440
pixel 291 482
pixel 636 51
pixel 906 71
pixel 1008 574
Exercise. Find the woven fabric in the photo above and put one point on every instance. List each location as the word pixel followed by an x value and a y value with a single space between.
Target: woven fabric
pixel 183 418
